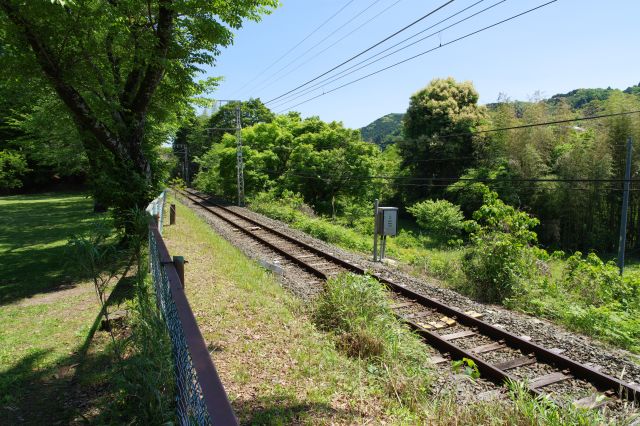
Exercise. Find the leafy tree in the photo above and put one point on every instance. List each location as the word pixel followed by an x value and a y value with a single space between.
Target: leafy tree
pixel 50 138
pixel 437 126
pixel 252 112
pixel 325 162
pixel 122 69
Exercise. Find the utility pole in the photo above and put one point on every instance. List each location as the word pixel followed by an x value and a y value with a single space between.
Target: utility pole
pixel 186 164
pixel 240 163
pixel 184 150
pixel 239 160
pixel 625 206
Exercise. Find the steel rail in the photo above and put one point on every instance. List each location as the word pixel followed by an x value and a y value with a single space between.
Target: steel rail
pixel 599 380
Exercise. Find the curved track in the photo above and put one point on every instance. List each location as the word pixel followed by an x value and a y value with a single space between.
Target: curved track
pixel 499 355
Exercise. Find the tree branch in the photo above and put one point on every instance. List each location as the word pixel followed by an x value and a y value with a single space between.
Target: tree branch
pixel 155 70
pixel 78 106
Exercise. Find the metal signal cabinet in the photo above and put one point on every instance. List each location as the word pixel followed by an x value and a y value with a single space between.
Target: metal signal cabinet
pixel 388 221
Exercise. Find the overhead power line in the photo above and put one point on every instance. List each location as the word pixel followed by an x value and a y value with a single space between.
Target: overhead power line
pixel 494 182
pixel 546 123
pixel 303 54
pixel 331 45
pixel 423 53
pixel 298 44
pixel 342 74
pixel 367 49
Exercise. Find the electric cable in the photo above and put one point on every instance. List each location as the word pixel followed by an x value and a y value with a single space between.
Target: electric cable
pixel 369 48
pixel 342 74
pixel 423 53
pixel 298 44
pixel 269 84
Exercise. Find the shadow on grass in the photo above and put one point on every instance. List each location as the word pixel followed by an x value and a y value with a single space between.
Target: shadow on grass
pixel 77 388
pixel 285 410
pixel 34 231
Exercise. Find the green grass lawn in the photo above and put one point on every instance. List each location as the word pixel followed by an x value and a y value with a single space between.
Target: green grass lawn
pixel 33 232
pixel 45 310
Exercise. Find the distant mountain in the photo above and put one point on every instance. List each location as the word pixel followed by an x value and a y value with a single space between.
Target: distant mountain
pixel 384 130
pixel 580 97
pixel 387 129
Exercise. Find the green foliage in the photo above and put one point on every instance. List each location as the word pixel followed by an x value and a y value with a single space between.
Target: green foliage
pixel 290 208
pixel 441 218
pixel 437 126
pixel 125 73
pixel 467 366
pixel 597 281
pixel 177 183
pixel 12 166
pixel 357 311
pixel 223 121
pixel 495 216
pixel 542 410
pixel 587 295
pixel 146 389
pixel 500 257
pixel 49 137
pixel 322 161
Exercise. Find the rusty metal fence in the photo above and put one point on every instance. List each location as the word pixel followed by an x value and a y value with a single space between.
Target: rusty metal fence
pixel 200 396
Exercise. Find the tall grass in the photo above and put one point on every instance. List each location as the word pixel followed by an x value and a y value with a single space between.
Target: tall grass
pixel 355 309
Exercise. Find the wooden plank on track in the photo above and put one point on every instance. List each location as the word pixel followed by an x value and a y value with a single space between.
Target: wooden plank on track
pixel 458 335
pixel 488 348
pixel 515 363
pixel 418 314
pixel 548 379
pixel 436 359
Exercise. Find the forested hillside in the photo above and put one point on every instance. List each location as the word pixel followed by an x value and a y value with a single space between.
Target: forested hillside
pixel 383 131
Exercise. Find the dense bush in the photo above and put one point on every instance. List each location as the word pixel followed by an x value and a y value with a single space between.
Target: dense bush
pixel 500 256
pixel 597 282
pixel 443 219
pixel 12 166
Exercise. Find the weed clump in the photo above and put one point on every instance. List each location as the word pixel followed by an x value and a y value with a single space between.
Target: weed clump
pixel 356 310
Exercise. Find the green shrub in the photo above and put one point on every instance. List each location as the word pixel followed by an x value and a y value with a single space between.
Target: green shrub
pixel 12 166
pixel 597 282
pixel 357 310
pixel 441 218
pixel 500 258
pixel 496 265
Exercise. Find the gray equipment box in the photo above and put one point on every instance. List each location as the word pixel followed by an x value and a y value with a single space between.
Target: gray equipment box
pixel 387 221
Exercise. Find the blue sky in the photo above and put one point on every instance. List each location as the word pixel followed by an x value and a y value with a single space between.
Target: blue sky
pixel 566 45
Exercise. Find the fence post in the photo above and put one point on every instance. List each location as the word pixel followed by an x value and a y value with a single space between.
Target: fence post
pixel 172 214
pixel 178 262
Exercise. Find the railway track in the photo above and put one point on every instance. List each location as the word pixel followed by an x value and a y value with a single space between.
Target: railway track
pixel 499 355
